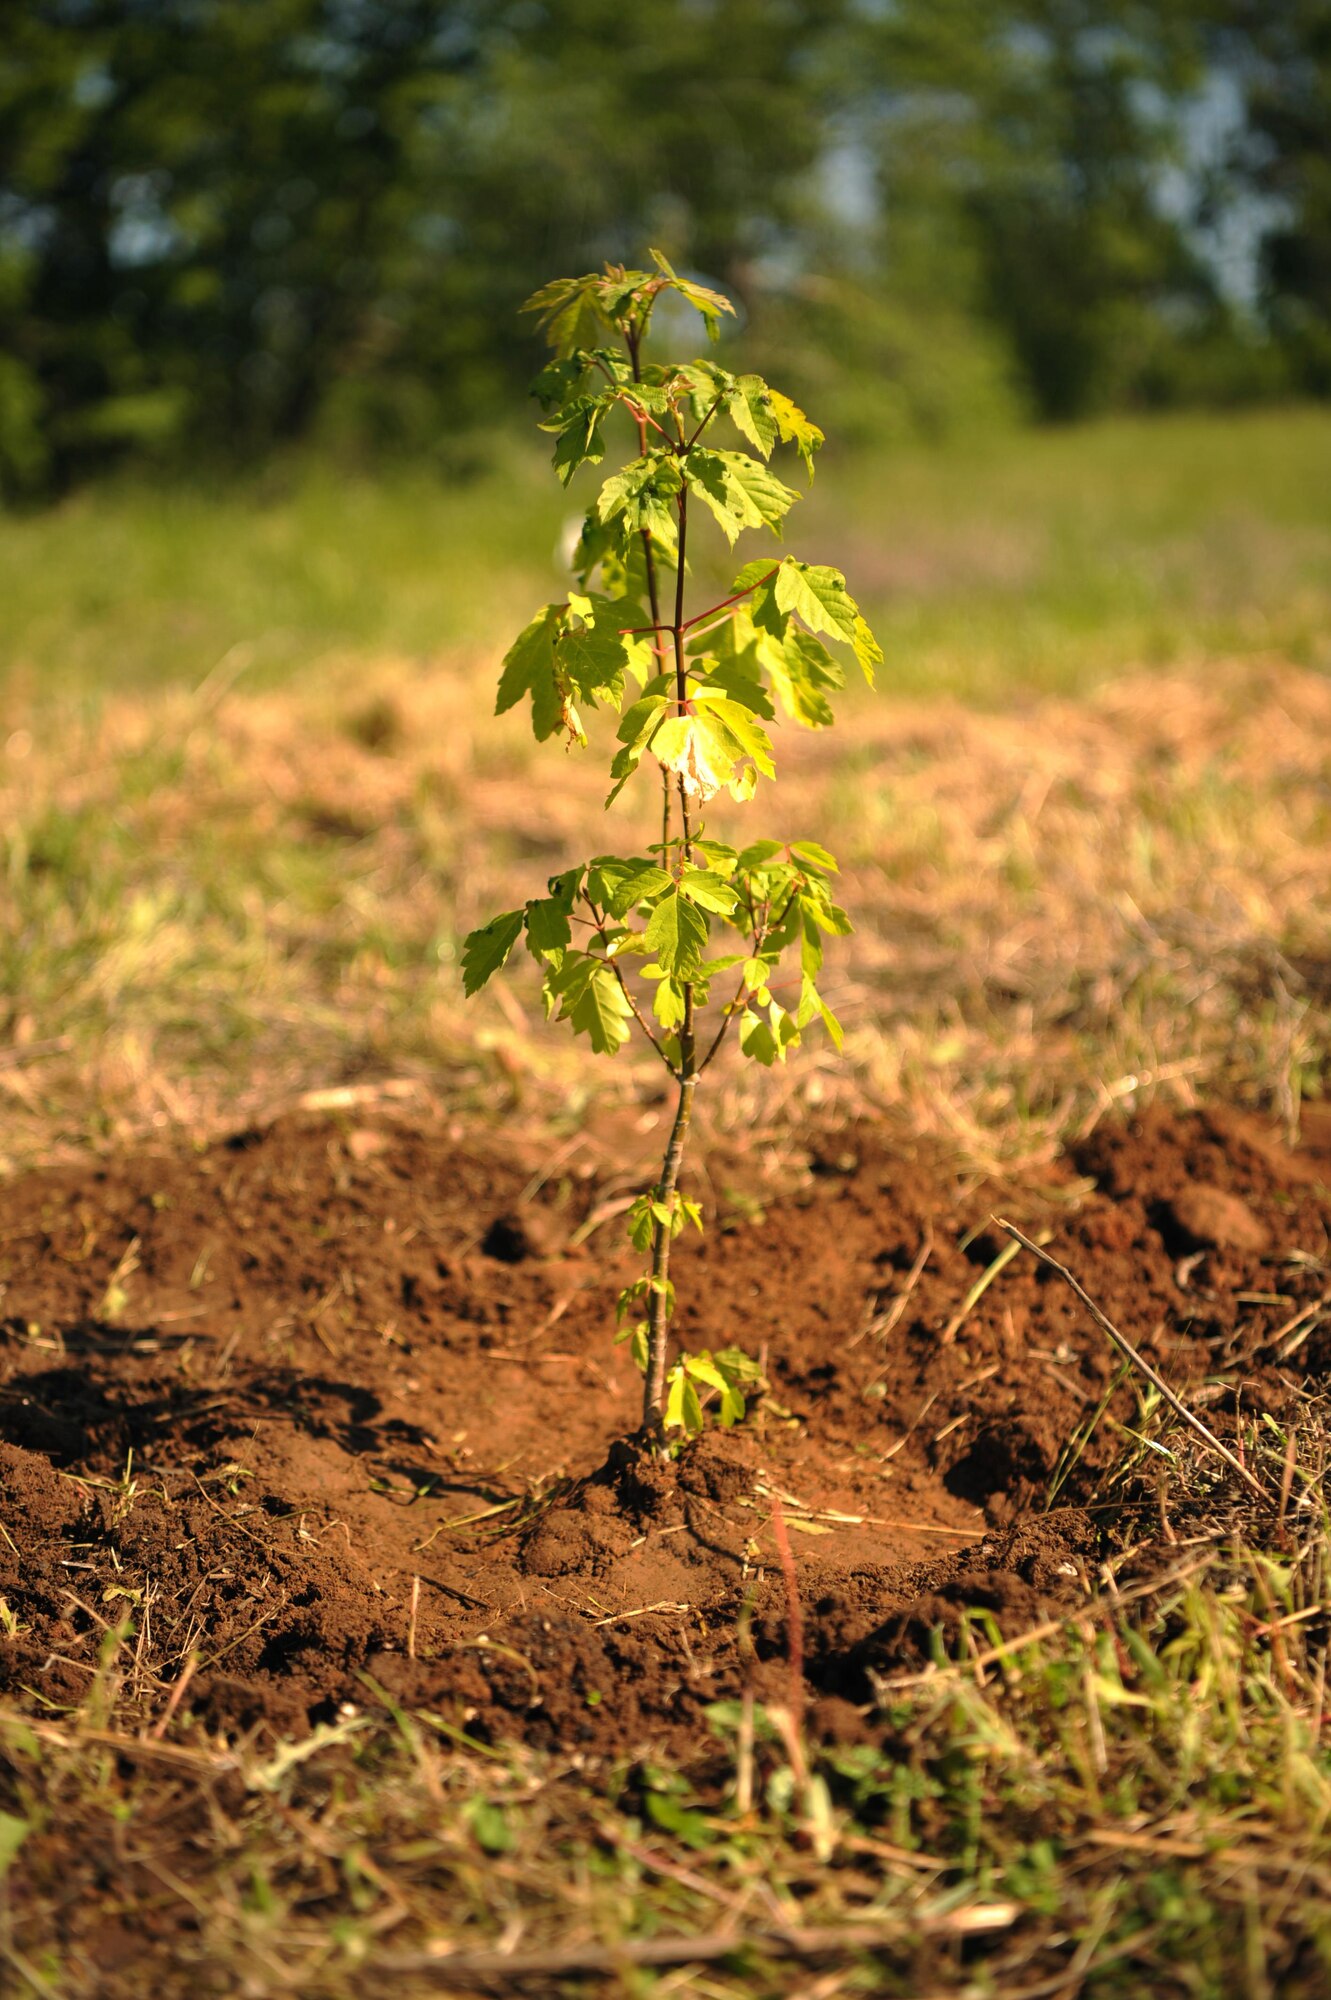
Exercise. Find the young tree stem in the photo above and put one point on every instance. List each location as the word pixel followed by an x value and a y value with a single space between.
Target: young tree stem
pixel 658 1316
pixel 653 597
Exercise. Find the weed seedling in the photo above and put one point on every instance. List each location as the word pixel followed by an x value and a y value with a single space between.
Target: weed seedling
pixel 628 942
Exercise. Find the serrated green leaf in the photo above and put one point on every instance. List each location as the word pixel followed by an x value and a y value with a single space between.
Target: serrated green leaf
pixel 795 428
pixel 740 491
pixel 757 1040
pixel 701 749
pixel 667 1002
pixel 569 312
pixel 620 886
pixel 548 927
pixel 701 297
pixel 529 669
pixel 867 649
pixel 768 498
pixel 761 570
pixel 485 950
pixel 579 441
pixel 801 668
pixel 701 886
pixel 591 999
pixel 814 856
pixel 818 596
pixel 828 916
pixel 677 933
pixel 674 1409
pixel 747 736
pixel 749 405
pixel 643 493
pixel 640 1221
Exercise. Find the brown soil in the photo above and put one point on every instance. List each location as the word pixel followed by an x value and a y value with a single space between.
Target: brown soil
pixel 251 1394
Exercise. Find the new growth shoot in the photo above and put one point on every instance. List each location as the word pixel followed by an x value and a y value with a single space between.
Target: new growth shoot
pixel 629 943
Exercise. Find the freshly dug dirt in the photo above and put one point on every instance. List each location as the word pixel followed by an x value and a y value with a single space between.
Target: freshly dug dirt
pixel 333 1400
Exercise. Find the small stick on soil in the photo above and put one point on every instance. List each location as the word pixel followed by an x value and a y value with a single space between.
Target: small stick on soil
pixel 978 1290
pixel 794 1629
pixel 882 1323
pixel 183 1679
pixel 411 1621
pixel 832 1940
pixel 1126 1348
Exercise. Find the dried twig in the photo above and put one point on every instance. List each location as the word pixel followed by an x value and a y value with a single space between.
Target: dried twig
pixel 826 1941
pixel 1126 1348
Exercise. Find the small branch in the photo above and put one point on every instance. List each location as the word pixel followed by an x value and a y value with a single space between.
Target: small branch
pixel 1126 1348
pixel 684 447
pixel 642 418
pixel 726 602
pixel 761 933
pixel 598 923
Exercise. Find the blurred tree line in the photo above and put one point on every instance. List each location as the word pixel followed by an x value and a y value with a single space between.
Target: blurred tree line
pixel 225 224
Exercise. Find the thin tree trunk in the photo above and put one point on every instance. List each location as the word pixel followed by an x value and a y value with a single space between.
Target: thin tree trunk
pixel 658 1317
pixel 658 1314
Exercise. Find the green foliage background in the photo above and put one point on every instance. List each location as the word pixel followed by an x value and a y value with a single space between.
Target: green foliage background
pixel 224 226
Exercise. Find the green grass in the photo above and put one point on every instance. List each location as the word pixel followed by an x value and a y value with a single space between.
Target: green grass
pixel 1027 561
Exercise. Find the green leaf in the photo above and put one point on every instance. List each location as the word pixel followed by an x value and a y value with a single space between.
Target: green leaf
pixel 701 886
pixel 644 493
pixel 580 441
pixel 569 313
pixel 813 1005
pixel 677 933
pixel 818 596
pixel 767 498
pixel 796 428
pixel 486 949
pixel 619 886
pixel 748 737
pixel 814 856
pixel 761 570
pixel 548 929
pixel 750 409
pixel 759 853
pixel 635 732
pixel 641 1224
pixel 667 1002
pixel 757 1040
pixel 709 303
pixel 867 649
pixel 683 1411
pixel 801 668
pixel 591 1000
pixel 699 749
pixel 740 492
pixel 489 1824
pixel 717 856
pixel 529 668
pixel 828 916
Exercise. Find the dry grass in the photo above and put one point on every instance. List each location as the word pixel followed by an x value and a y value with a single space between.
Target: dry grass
pixel 225 899
pixel 1130 1798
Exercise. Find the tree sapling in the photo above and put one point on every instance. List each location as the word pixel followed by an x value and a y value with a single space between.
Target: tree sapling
pixel 625 941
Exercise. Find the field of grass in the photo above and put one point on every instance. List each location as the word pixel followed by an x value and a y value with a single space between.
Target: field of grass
pixel 250 798
pixel 1034 561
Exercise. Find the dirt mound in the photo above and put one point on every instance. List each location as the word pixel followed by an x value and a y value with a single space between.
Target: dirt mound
pixel 331 1401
